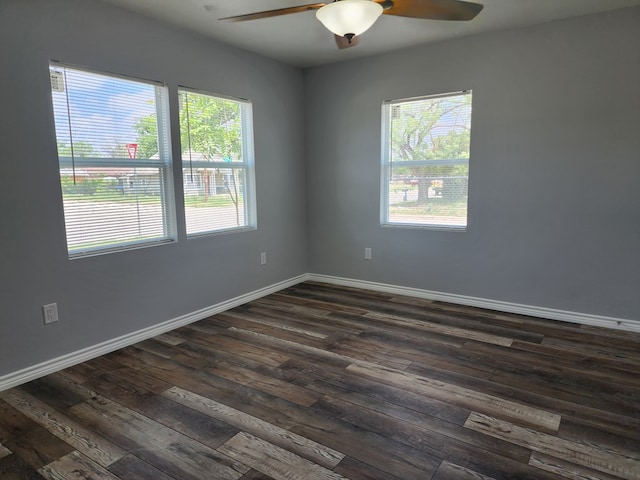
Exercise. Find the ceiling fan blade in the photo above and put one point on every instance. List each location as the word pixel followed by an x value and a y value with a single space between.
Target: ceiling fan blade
pixel 343 42
pixel 432 9
pixel 274 13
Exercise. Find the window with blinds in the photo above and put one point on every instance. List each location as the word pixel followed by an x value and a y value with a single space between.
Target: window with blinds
pixel 217 159
pixel 113 149
pixel 425 161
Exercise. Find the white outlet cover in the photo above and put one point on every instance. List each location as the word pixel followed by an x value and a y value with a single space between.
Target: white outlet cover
pixel 50 313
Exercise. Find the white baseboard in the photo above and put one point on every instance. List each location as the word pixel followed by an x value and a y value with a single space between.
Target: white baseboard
pixel 541 312
pixel 73 358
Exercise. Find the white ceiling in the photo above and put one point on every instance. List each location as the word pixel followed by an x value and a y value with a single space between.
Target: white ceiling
pixel 301 40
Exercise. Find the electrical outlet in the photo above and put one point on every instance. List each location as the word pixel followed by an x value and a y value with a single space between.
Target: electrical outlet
pixel 367 253
pixel 263 258
pixel 50 313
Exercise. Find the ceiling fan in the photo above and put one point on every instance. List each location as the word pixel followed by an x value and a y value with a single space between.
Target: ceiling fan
pixel 349 18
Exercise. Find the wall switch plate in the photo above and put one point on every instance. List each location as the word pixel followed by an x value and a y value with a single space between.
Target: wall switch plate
pixel 263 258
pixel 50 313
pixel 367 253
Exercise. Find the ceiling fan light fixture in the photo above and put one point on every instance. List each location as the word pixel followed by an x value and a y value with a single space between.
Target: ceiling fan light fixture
pixel 349 18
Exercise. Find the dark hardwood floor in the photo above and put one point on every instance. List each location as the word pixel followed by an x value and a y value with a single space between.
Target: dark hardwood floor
pixel 325 382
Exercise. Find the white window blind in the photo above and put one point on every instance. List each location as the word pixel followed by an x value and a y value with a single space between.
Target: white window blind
pixel 425 161
pixel 114 155
pixel 217 159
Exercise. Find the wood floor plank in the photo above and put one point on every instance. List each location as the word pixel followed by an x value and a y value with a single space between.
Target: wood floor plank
pixel 75 434
pixel 211 386
pixel 566 469
pixel 433 435
pixel 246 350
pixel 13 468
pixel 220 357
pixel 197 330
pixel 75 466
pixel 606 421
pixel 608 352
pixel 304 315
pixel 356 470
pixel 421 326
pixel 475 453
pixel 37 446
pixel 574 429
pixel 244 320
pixel 265 383
pixel 592 366
pixel 616 464
pixel 453 372
pixel 59 391
pixel 169 339
pixel 274 461
pixel 132 468
pixel 435 355
pixel 78 373
pixel 381 306
pixel 128 357
pixel 233 369
pixel 172 452
pixel 134 377
pixel 292 350
pixel 303 447
pixel 220 364
pixel 294 316
pixel 561 379
pixel 460 396
pixel 379 391
pixel 591 340
pixel 581 359
pixel 401 335
pixel 290 345
pixel 317 305
pixel 200 427
pixel 29 441
pixel 319 381
pixel 573 389
pixel 255 475
pixel 369 447
pixel 4 451
pixel 273 320
pixel 368 353
pixel 450 471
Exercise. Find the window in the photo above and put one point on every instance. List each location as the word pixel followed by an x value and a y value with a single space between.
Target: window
pixel 425 161
pixel 114 156
pixel 217 159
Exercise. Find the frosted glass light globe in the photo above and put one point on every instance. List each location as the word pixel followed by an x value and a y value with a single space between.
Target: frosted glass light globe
pixel 349 18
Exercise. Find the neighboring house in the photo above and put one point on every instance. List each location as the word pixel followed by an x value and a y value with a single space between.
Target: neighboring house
pixel 202 181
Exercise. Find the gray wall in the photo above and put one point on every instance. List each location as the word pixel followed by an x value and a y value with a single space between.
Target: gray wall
pixel 554 217
pixel 554 192
pixel 106 296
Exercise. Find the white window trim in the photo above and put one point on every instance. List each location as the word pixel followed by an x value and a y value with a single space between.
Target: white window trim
pixel 386 164
pixel 167 198
pixel 247 165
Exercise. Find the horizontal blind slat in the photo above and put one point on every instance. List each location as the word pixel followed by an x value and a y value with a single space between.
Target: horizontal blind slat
pixel 114 167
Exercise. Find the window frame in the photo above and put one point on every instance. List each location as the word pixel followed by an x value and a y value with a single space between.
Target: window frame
pixel 246 166
pixel 387 165
pixel 164 164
